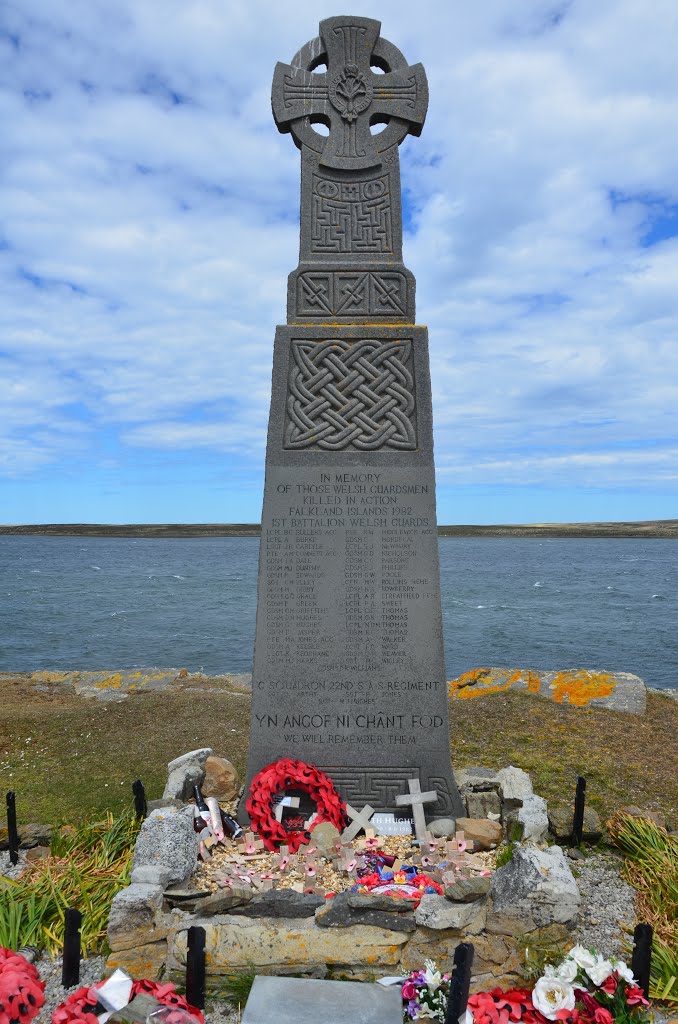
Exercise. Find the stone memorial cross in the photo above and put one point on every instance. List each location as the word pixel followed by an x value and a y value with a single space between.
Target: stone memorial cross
pixel 349 672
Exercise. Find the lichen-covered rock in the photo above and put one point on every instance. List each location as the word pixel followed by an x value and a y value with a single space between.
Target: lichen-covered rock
pixel 221 779
pixel 222 902
pixel 438 912
pixel 275 946
pixel 146 961
pixel 561 820
pixel 535 889
pixel 168 840
pixel 136 917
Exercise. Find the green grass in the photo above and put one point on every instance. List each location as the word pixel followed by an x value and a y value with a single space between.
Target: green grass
pixel 87 865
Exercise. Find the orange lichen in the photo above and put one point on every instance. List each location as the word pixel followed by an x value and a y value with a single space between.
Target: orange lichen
pixel 480 681
pixel 580 687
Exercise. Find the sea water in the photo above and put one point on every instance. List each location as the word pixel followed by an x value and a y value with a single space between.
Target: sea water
pixel 105 603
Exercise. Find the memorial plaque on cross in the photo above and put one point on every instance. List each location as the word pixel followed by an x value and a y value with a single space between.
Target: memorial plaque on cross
pixel 348 670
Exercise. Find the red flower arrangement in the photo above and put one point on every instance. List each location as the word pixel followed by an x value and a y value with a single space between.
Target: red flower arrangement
pixel 21 991
pixel 499 1007
pixel 285 774
pixel 79 1007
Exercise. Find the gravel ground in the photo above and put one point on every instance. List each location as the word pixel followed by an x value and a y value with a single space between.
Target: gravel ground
pixel 607 902
pixel 8 869
pixel 608 905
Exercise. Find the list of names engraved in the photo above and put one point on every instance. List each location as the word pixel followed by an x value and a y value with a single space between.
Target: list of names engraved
pixel 348 591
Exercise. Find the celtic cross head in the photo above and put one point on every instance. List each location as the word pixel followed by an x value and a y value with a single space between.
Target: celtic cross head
pixel 367 83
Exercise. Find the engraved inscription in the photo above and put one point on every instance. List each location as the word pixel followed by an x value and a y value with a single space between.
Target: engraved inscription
pixel 351 217
pixel 350 294
pixel 345 394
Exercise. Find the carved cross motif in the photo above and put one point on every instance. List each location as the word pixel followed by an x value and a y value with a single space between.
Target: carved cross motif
pixel 350 96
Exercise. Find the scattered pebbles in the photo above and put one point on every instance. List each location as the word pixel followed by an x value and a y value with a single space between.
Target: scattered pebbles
pixel 608 905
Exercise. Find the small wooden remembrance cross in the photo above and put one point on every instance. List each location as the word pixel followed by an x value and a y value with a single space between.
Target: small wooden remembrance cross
pixel 417 799
pixel 359 820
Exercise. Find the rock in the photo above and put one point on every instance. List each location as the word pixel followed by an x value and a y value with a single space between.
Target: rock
pixel 221 779
pixel 533 817
pixel 136 917
pixel 281 903
pixel 156 805
pixel 442 828
pixel 575 854
pixel 138 1010
pixel 476 780
pixel 467 890
pixel 638 812
pixel 344 910
pixel 221 902
pixel 185 772
pixel 325 836
pixel 239 943
pixel 514 787
pixel 151 874
pixel 438 912
pixel 482 804
pixel 167 840
pixel 145 961
pixel 560 824
pixel 485 834
pixel 537 886
pixel 37 853
pixel 29 836
pixel 180 893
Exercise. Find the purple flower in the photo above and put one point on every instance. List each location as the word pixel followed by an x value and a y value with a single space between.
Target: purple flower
pixel 413 1008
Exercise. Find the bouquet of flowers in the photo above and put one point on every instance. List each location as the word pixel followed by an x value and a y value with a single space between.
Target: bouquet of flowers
pixel 21 991
pixel 584 988
pixel 425 994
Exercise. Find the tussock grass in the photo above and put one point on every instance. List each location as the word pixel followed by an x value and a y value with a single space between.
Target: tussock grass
pixel 87 865
pixel 651 867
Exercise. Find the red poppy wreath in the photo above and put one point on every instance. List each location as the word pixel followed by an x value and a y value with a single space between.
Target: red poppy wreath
pixel 290 774
pixel 21 991
pixel 80 1006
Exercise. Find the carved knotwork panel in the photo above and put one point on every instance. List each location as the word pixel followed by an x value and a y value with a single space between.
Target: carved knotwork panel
pixel 345 395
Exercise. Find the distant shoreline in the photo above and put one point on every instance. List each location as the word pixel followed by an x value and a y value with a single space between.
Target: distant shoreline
pixel 655 528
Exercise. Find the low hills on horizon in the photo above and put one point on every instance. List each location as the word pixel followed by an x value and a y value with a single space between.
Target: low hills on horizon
pixel 651 528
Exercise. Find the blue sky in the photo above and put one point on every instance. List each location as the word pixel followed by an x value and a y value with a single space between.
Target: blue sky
pixel 149 218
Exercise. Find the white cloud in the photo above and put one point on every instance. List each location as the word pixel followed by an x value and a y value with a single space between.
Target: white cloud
pixel 149 213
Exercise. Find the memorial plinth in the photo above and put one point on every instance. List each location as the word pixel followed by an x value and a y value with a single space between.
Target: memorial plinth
pixel 349 668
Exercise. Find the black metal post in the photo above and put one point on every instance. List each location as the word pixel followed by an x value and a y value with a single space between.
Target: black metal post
pixel 140 805
pixel 195 967
pixel 70 971
pixel 641 959
pixel 460 982
pixel 12 832
pixel 579 804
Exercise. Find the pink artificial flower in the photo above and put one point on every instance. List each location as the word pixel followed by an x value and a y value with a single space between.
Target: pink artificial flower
pixel 603 1016
pixel 409 990
pixel 610 984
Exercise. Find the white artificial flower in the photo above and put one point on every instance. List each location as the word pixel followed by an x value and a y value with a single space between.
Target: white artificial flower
pixel 623 971
pixel 582 956
pixel 432 975
pixel 551 994
pixel 600 971
pixel 567 970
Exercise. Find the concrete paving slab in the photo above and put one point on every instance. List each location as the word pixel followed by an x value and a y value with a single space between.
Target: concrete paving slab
pixel 303 1001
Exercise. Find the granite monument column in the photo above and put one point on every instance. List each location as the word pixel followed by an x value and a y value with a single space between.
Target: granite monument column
pixel 349 668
